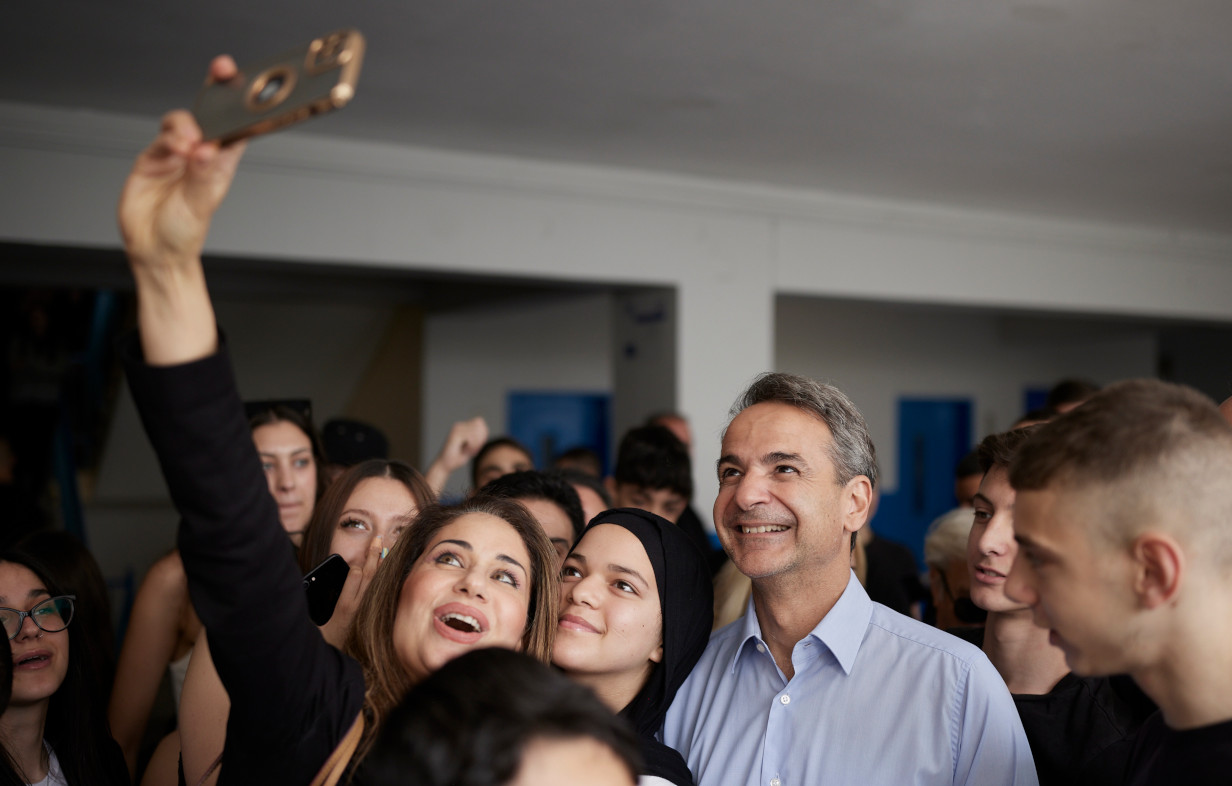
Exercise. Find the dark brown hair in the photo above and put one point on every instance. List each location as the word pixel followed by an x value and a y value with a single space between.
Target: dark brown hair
pixel 491 445
pixel 998 450
pixel 324 523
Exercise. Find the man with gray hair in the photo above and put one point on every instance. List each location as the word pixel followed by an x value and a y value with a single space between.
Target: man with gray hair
pixel 816 683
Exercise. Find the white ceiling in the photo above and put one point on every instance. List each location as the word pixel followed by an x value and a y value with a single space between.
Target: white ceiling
pixel 1108 110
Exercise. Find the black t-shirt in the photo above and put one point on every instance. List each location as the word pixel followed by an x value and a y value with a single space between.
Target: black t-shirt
pixel 1082 731
pixel 893 578
pixel 691 524
pixel 1197 757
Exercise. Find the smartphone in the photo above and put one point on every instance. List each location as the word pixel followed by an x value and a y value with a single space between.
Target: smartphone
pixel 282 90
pixel 323 586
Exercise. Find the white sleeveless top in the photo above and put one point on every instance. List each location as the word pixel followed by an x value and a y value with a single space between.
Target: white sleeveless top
pixel 176 670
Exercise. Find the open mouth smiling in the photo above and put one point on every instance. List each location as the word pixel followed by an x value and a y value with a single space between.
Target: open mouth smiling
pixel 462 622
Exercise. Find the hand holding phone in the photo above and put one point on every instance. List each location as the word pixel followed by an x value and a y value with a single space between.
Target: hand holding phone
pixel 282 90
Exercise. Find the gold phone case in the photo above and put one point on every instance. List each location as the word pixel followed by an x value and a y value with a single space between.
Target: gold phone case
pixel 294 86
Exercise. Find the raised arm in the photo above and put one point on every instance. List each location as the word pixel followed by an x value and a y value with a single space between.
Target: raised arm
pixel 465 439
pixel 165 211
pixel 293 696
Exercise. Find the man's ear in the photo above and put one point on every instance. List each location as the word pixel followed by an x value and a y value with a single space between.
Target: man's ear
pixel 859 498
pixel 1159 568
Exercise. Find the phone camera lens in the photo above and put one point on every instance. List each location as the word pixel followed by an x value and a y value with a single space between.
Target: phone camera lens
pixel 270 89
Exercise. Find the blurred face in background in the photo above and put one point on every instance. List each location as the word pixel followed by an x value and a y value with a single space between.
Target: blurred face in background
pixel 290 470
pixel 500 461
pixel 990 547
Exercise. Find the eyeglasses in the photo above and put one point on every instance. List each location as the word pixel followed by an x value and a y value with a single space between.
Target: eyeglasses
pixel 50 616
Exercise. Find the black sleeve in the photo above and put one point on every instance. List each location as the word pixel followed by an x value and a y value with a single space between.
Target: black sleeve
pixel 293 696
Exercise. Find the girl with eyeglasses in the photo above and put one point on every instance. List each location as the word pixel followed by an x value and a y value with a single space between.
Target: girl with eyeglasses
pixel 53 731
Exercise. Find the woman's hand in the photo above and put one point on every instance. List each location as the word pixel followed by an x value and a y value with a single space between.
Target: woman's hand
pixel 175 186
pixel 357 580
pixel 169 199
pixel 465 439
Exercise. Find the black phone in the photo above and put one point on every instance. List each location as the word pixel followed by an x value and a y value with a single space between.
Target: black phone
pixel 282 90
pixel 323 587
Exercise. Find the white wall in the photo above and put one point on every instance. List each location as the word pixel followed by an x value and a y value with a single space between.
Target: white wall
pixel 643 358
pixel 728 248
pixel 474 356
pixel 877 354
pixel 279 350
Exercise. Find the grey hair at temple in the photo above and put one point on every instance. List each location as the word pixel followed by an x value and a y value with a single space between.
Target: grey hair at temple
pixel 851 446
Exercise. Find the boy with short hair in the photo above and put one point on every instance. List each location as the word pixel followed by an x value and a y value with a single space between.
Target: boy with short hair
pixel 653 473
pixel 1122 517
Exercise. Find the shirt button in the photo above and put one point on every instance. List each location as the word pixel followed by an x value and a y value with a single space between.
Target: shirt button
pixel 775 782
pixel 785 699
pixel 761 648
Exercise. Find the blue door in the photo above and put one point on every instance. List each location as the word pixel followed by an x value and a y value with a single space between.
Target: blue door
pixel 551 423
pixel 933 435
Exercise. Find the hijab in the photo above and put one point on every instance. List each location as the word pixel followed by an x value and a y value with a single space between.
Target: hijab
pixel 686 598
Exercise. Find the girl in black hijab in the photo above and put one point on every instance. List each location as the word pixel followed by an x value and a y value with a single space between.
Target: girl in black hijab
pixel 636 610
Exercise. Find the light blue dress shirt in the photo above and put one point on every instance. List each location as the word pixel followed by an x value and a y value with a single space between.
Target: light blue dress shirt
pixel 878 699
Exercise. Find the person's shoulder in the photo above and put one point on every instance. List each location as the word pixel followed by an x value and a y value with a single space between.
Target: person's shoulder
pixel 723 642
pixel 718 655
pixel 1193 756
pixel 913 634
pixel 167 573
pixel 730 631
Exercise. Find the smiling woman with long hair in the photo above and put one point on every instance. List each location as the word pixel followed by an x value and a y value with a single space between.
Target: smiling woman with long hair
pixel 375 499
pixel 480 574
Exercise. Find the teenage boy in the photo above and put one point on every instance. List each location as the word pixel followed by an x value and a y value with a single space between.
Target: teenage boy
pixel 1122 518
pixel 1081 729
pixel 653 473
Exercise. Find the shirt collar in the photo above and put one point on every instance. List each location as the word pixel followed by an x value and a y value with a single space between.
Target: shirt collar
pixel 841 630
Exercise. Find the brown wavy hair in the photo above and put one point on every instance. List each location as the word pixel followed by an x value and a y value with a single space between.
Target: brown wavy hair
pixel 371 641
pixel 324 523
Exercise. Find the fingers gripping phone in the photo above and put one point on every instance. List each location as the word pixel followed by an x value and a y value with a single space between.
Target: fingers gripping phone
pixel 282 90
pixel 323 587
